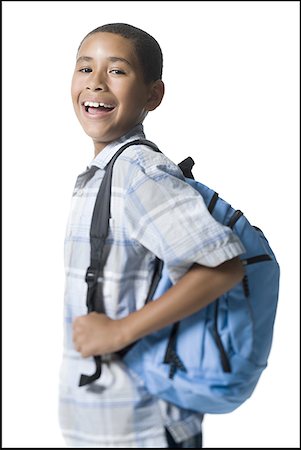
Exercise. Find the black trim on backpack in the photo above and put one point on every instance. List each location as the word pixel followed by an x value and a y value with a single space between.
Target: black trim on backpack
pixel 156 278
pixel 256 259
pixel 234 218
pixel 171 357
pixel 223 355
pixel 186 167
pixel 213 202
pixel 256 228
pixel 245 286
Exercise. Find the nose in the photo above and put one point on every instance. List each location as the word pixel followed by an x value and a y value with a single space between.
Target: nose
pixel 97 83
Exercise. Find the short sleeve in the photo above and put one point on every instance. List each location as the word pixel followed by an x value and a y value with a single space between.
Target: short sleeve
pixel 169 218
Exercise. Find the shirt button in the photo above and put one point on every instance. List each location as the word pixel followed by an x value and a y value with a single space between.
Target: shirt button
pixel 79 192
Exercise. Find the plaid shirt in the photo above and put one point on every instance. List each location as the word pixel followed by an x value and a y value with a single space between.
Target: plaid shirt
pixel 153 212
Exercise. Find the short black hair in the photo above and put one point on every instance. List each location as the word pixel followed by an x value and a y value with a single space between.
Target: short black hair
pixel 148 50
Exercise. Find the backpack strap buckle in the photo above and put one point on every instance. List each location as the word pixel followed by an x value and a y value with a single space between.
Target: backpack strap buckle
pixel 91 276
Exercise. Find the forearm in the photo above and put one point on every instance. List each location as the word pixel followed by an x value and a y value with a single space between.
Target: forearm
pixel 97 334
pixel 196 289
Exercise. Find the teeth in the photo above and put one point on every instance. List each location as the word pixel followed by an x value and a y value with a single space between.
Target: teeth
pixel 96 104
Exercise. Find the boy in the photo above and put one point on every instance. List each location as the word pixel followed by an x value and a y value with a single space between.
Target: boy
pixel 117 81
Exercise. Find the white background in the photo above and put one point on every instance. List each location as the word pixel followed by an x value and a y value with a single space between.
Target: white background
pixel 232 103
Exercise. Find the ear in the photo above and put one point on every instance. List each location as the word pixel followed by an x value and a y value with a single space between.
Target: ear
pixel 156 95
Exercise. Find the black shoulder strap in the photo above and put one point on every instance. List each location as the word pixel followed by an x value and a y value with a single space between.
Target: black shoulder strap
pixel 98 233
pixel 101 214
pixel 100 226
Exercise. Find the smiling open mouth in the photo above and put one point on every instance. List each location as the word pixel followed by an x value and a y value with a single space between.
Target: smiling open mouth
pixel 96 108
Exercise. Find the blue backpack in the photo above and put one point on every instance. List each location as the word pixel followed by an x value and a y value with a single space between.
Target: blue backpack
pixel 211 361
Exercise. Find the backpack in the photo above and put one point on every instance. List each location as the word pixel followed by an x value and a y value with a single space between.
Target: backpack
pixel 211 361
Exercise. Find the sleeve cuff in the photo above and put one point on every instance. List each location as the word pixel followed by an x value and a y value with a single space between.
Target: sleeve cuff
pixel 211 259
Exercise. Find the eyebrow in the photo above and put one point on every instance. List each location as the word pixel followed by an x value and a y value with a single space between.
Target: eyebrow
pixel 110 58
pixel 84 58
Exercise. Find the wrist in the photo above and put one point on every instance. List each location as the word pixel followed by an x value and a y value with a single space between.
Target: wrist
pixel 124 332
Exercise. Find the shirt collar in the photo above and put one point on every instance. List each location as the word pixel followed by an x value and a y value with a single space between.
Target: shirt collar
pixel 107 153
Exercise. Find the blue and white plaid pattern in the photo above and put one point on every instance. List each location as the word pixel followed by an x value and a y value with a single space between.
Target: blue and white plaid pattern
pixel 153 212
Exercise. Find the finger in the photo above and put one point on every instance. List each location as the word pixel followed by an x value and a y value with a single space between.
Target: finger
pixel 77 345
pixel 77 322
pixel 76 338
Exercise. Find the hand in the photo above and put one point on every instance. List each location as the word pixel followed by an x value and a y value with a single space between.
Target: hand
pixel 96 334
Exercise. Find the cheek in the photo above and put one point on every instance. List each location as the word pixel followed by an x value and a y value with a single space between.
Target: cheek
pixel 130 91
pixel 75 89
pixel 134 100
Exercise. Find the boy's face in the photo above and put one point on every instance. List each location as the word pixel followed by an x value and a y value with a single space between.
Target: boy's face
pixel 108 73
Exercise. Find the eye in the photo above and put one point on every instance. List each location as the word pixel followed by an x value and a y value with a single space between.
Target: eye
pixel 117 72
pixel 85 70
